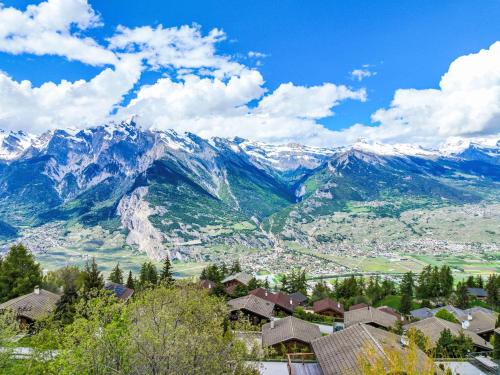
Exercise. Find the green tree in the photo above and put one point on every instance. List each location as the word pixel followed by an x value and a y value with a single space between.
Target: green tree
pixel 235 267
pixel 9 329
pixel 446 315
pixel 66 309
pixel 63 278
pixel 444 345
pixel 116 275
pixel 446 281
pixel 320 291
pixel 19 273
pixel 167 276
pixel 148 275
pixel 496 345
pixel 406 293
pixel 130 281
pixel 92 278
pixel 493 290
pixel 462 296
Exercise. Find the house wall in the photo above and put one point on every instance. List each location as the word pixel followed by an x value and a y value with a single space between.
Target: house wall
pixel 292 346
pixel 332 313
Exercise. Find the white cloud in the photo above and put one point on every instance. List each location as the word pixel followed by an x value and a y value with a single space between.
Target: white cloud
pixel 467 103
pixel 256 55
pixel 360 74
pixel 49 28
pixel 177 47
pixel 67 104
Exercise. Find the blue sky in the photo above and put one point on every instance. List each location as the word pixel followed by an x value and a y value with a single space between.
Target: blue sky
pixel 404 44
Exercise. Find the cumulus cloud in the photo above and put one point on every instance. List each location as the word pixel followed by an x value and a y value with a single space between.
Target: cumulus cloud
pixel 67 104
pixel 50 28
pixel 467 103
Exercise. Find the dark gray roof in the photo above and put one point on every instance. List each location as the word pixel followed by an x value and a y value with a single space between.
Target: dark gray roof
pixel 289 328
pixel 369 315
pixel 340 352
pixel 421 313
pixel 477 292
pixel 459 313
pixel 253 304
pixel 299 297
pixel 242 277
pixel 33 306
pixel 432 328
pixel 119 290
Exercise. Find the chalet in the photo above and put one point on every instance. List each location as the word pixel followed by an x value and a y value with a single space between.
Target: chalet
pixel 256 308
pixel 478 293
pixel 432 328
pixel 390 310
pixel 207 284
pixel 282 301
pixel 342 352
pixel 33 306
pixel 289 335
pixel 329 307
pixel 480 322
pixel 370 316
pixel 299 298
pixel 358 306
pixel 232 281
pixel 119 290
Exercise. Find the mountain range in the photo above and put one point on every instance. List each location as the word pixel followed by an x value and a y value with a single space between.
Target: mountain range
pixel 168 192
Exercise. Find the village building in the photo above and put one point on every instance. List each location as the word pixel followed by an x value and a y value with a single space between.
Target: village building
pixel 432 328
pixel 207 284
pixel 233 281
pixel 119 290
pixel 32 307
pixel 255 308
pixel 343 352
pixel 478 293
pixel 329 307
pixel 299 298
pixel 371 316
pixel 289 335
pixel 282 301
pixel 480 322
pixel 358 306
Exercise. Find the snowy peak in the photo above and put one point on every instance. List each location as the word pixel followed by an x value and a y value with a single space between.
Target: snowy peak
pixel 401 149
pixel 14 144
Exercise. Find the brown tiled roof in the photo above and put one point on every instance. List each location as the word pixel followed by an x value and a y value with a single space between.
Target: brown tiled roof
pixel 280 299
pixel 253 304
pixel 33 306
pixel 432 328
pixel 369 315
pixel 340 352
pixel 242 277
pixel 328 304
pixel 389 310
pixel 289 328
pixel 358 306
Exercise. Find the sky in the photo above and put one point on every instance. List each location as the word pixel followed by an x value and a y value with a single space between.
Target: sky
pixel 322 73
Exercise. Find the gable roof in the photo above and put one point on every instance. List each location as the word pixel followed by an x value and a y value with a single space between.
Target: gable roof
pixel 253 304
pixel 33 306
pixel 280 299
pixel 477 292
pixel 328 304
pixel 119 290
pixel 369 315
pixel 289 328
pixel 422 313
pixel 358 306
pixel 390 310
pixel 340 352
pixel 242 277
pixel 432 328
pixel 207 284
pixel 299 297
pixel 481 322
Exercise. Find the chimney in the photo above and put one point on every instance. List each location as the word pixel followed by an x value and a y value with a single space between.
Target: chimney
pixel 272 323
pixel 338 305
pixel 291 301
pixel 402 318
pixel 37 289
pixel 265 294
pixel 469 317
pixel 465 324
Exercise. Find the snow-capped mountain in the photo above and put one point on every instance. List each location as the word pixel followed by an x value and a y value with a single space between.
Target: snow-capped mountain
pixel 168 190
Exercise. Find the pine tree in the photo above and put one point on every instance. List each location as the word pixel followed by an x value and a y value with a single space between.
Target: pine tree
pixel 235 267
pixel 130 281
pixel 149 275
pixel 462 296
pixel 446 281
pixel 92 277
pixel 496 345
pixel 266 284
pixel 444 345
pixel 167 276
pixel 19 273
pixel 479 281
pixel 406 293
pixel 116 275
pixel 65 308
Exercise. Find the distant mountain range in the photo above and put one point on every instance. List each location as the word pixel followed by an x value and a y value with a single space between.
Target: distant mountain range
pixel 165 190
